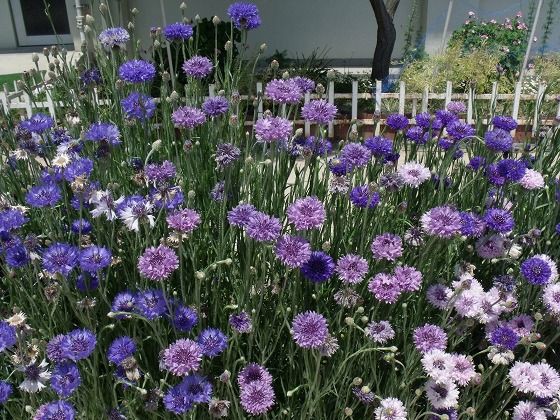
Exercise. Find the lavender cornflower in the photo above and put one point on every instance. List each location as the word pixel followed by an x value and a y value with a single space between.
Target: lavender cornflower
pixel 380 332
pixel 551 298
pixel 408 278
pixel 121 349
pixel 443 222
pixel 56 410
pixel 306 213
pixel 347 298
pixel 364 395
pixel 241 322
pixel 319 111
pixel 456 107
pixel 137 71
pixel 158 263
pixel 476 163
pixel 363 196
pixel 263 228
pixel 306 85
pixel 198 67
pixel 178 31
pixel 65 379
pixel 293 251
pixel 215 106
pixel 384 287
pixel 491 246
pixel 414 174
pixel 528 410
pixel 45 195
pixel 498 140
pixel 114 37
pixel 257 398
pixel 37 123
pixel 60 258
pixel 7 336
pixel 187 117
pixel 184 318
pixel 504 337
pixel 138 106
pixel 532 180
pixel 355 155
pixel 391 409
pixel 244 15
pixel 104 132
pixel 284 91
pixel 254 372
pixel 273 129
pixel 429 337
pixel 150 303
pixel 504 122
pixel 6 391
pixel 309 330
pixel 393 181
pixel 351 268
pixel 94 258
pixel 472 225
pixel 182 357
pixel 212 342
pixel 397 122
pixel 379 146
pixel 241 214
pixel 499 220
pixel 318 268
pixel 226 155
pixel 184 221
pixel 416 134
pixel 438 295
pixel 387 247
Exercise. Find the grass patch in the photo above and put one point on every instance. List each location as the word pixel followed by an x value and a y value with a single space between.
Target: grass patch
pixel 9 79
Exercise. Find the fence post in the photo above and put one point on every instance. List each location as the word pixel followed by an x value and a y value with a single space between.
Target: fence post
pixel 402 96
pixel 448 92
pixel 493 99
pixel 516 99
pixel 28 108
pixel 50 104
pixel 307 125
pixel 5 100
pixel 331 101
pixel 354 103
pixel 425 95
pixel 414 106
pixel 260 99
pixel 470 105
pixel 211 90
pixel 538 102
pixel 378 92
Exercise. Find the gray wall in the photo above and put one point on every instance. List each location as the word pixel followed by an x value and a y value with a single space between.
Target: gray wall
pixel 7 31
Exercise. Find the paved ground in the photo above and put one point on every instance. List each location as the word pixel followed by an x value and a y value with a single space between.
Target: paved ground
pixel 16 61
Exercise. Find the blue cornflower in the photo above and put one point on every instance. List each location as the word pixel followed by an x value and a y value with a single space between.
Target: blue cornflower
pixel 184 318
pixel 151 303
pixel 7 336
pixel 11 219
pixel 65 379
pixel 212 342
pixel 94 258
pixel 178 31
pixel 60 258
pixel 17 256
pixel 498 140
pixel 362 196
pixel 37 123
pixel 504 337
pixel 319 268
pixel 6 390
pixel 44 195
pixel 138 106
pixel 79 344
pixel 499 220
pixel 120 349
pixel 82 167
pixel 137 71
pixel 244 15
pixel 104 132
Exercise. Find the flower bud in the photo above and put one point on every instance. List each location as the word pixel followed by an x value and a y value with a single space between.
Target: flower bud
pixel 228 46
pixel 135 11
pixel 35 57
pixel 216 20
pixel 320 89
pixel 331 74
pixel 285 75
pixel 156 145
pixel 263 47
pixel 183 6
pixel 348 412
pixel 349 321
pixel 274 65
pixel 103 8
pixel 200 275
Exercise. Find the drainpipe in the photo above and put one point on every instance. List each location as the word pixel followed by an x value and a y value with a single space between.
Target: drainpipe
pixel 446 25
pixel 171 71
pixel 531 37
pixel 80 20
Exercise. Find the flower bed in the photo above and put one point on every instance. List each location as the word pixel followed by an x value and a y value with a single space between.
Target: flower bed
pixel 158 259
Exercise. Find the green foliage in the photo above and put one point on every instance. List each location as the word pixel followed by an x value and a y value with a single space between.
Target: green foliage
pixel 547 70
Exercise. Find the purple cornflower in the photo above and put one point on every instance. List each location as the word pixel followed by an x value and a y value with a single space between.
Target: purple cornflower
pixel 537 271
pixel 387 247
pixel 351 268
pixel 188 117
pixel 392 181
pixel 79 344
pixel 158 263
pixel 60 258
pixel 306 85
pixel 183 221
pixel 416 134
pixel 138 106
pixel 177 31
pixel 257 398
pixel 424 120
pixel 5 391
pixel 241 214
pixel 177 401
pixel 551 298
pixel 121 349
pixel 506 170
pixel 55 410
pixel 104 132
pixel 182 357
pixel 55 348
pixel 338 167
pixel 491 246
pixel 385 288
pixel 81 167
pixel 284 91
pixel 408 278
pixel 81 227
pixel 363 196
pixel 446 143
pixel 226 154
pixel 215 106
pixel 397 122
pixel 114 37
pixel 414 174
pixel 498 140
pixel 504 337
pixel 390 409
pixel 365 397
pixel 315 146
pixel 197 388
pixel 456 107
pixel 94 258
pixel 262 227
pixel 123 302
pixel 65 379
pixel 476 163
pixel 460 130
pixel 90 77
pixel 198 67
pixel 253 372
pixel 319 111
pixel 11 219
pixel 45 195
pixel 150 303
pixel 355 155
pixel 318 268
pixel 380 332
pixel 137 71
pixel 273 129
pixel 37 123
pixel 241 322
pixel 499 220
pixel 438 295
pixel 293 251
pixel 307 213
pixel 212 342
pixel 446 117
pixel 309 330
pixel 217 192
pixel 244 15
pixel 472 224
pixel 7 336
pixel 429 337
pixel 184 318
pixel 17 255
pixel 443 222
pixel 504 122
pixel 160 173
pixel 379 146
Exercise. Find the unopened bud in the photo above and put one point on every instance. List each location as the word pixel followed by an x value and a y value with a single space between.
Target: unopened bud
pixel 357 381
pixel 320 89
pixel 228 46
pixel 331 74
pixel 200 275
pixel 103 8
pixel 540 345
pixel 183 6
pixel 35 57
pixel 274 65
pixel 348 412
pixel 156 145
pixel 165 76
pixel 285 75
pixel 130 26
pixel 216 20
pixel 135 11
pixel 262 48
pixel 349 321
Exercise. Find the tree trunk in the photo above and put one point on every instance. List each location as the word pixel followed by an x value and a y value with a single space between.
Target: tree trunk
pixel 386 37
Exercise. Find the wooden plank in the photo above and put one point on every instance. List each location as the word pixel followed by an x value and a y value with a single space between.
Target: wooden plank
pixel 260 99
pixel 307 126
pixel 470 104
pixel 402 96
pixel 354 115
pixel 425 97
pixel 331 101
pixel 378 98
pixel 538 106
pixel 448 92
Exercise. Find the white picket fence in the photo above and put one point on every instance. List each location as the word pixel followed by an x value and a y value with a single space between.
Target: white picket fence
pixel 416 102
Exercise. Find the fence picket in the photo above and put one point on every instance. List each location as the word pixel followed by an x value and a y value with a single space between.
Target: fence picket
pixel 470 104
pixel 448 92
pixel 307 127
pixel 378 96
pixel 27 101
pixel 425 96
pixel 260 99
pixel 354 103
pixel 402 96
pixel 331 101
pixel 538 104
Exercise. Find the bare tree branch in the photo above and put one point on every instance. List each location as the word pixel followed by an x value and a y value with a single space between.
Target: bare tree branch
pixel 386 37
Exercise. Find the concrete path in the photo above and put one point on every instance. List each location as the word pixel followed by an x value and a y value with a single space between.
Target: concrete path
pixel 17 62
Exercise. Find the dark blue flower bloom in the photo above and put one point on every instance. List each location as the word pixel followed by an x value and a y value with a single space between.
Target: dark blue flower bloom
pixel 424 120
pixel 56 410
pixel 504 337
pixel 123 302
pixel 59 135
pixel 215 106
pixel 472 224
pixel 506 170
pixel 362 196
pixel 52 176
pixel 87 281
pixel 397 121
pixel 499 220
pixel 319 268
pixel 17 256
pixel 60 258
pixel 536 271
pixel 177 400
pixel 151 303
pixel 94 258
pixel 5 391
pixel 177 31
pixel 55 348
pixel 120 349
pixel 91 77
pixel 81 227
pixel 451 413
pixel 114 37
pixel 498 140
pixel 65 379
pixel 316 146
pixel 504 122
pixel 212 342
pixel 197 388
pixel 338 167
pixel 11 219
pixel 184 318
pixel 446 117
pixel 244 15
pixel 505 282
pixel 558 229
pixel 445 143
pixel 476 163
pixel 379 146
pixel 37 123
pixel 460 130
pixel 160 173
pixel 137 71
pixel 79 344
pixel 138 106
pixel 416 134
pixel 82 167
pixel 7 336
pixel 104 132
pixel 45 195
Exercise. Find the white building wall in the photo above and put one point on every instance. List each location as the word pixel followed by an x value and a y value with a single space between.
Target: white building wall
pixel 7 31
